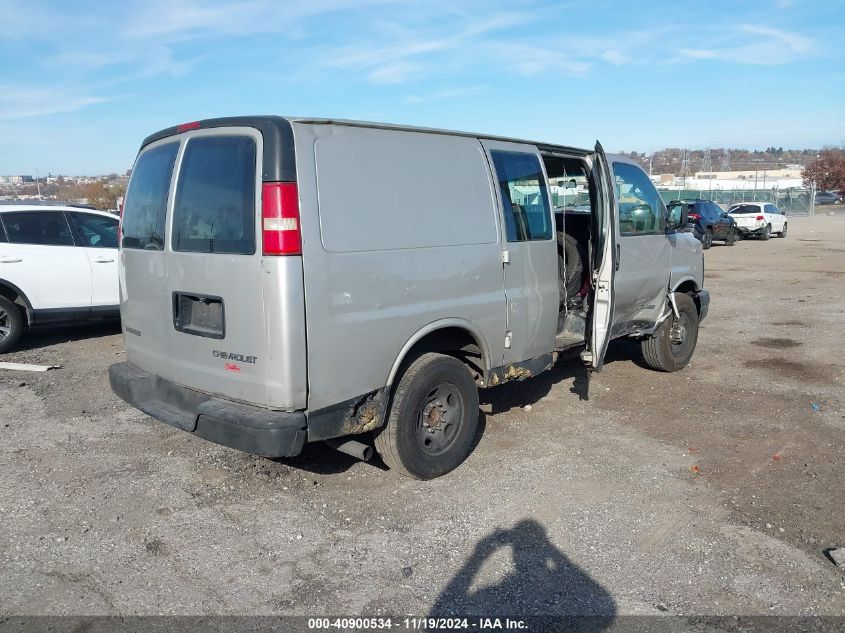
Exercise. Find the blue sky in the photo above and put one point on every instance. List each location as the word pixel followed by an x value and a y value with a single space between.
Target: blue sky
pixel 82 82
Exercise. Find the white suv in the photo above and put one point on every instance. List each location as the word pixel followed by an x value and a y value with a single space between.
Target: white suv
pixel 759 219
pixel 58 264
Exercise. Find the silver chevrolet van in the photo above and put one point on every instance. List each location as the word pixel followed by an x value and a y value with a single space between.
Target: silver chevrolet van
pixel 293 280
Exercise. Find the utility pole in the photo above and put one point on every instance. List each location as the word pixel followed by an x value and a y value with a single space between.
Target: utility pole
pixel 757 162
pixel 38 183
pixel 707 167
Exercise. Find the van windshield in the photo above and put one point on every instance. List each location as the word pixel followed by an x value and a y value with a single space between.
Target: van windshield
pixel 214 208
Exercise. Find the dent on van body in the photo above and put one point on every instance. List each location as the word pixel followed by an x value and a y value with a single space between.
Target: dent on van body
pixel 687 262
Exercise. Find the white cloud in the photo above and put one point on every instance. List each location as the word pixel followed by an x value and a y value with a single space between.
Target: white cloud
pixel 756 45
pixel 393 73
pixel 22 102
pixel 443 95
pixel 403 48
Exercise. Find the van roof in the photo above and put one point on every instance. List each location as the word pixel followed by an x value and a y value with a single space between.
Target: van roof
pixel 278 129
pixel 430 130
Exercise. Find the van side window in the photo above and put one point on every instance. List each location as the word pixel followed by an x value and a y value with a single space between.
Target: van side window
pixel 640 207
pixel 524 195
pixel 145 210
pixel 214 209
pixel 47 228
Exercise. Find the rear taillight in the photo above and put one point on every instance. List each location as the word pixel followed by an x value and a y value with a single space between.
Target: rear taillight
pixel 694 216
pixel 280 219
pixel 760 217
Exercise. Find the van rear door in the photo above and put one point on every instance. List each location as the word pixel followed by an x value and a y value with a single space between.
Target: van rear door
pixel 144 312
pixel 213 311
pixel 213 287
pixel 604 260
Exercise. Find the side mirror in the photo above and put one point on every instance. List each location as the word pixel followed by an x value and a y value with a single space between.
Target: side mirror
pixel 678 221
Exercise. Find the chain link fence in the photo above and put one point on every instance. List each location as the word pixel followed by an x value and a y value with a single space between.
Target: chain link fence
pixel 792 201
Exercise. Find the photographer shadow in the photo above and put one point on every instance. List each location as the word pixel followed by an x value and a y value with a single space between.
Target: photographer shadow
pixel 543 585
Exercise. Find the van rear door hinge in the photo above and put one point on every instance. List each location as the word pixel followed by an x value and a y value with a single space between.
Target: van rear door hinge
pixel 508 339
pixel 506 257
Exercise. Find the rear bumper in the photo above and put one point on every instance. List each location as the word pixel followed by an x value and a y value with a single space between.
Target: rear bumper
pixel 749 230
pixel 246 428
pixel 703 300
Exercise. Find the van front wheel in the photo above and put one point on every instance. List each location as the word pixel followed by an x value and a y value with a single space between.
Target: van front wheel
pixel 432 419
pixel 672 345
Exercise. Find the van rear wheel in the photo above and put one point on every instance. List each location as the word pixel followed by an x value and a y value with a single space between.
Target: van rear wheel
pixel 432 419
pixel 672 345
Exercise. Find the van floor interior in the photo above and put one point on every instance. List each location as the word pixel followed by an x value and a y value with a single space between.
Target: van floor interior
pixel 570 186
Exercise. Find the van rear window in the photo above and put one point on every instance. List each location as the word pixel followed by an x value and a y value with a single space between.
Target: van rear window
pixel 145 210
pixel 214 209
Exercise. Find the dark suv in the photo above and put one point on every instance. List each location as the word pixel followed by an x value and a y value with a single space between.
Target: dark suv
pixel 708 222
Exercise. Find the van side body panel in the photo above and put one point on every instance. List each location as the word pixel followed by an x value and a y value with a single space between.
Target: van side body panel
pixel 687 260
pixel 403 232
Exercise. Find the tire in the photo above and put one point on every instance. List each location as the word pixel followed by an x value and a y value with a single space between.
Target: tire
pixel 732 237
pixel 571 259
pixel 707 239
pixel 767 233
pixel 11 325
pixel 783 233
pixel 664 351
pixel 438 391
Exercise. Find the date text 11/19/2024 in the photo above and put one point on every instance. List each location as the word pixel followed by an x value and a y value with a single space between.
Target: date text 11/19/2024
pixel 421 623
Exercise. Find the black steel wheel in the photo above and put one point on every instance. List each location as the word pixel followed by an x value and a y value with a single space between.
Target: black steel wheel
pixel 440 419
pixel 432 419
pixel 672 345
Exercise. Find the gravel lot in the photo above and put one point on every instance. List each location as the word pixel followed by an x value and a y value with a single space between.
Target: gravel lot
pixel 715 490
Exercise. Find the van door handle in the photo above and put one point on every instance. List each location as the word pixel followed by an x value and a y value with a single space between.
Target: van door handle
pixel 618 256
pixel 103 260
pixel 10 260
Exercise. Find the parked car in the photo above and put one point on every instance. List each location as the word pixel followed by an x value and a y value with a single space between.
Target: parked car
pixel 58 264
pixel 758 219
pixel 273 291
pixel 828 197
pixel 708 222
